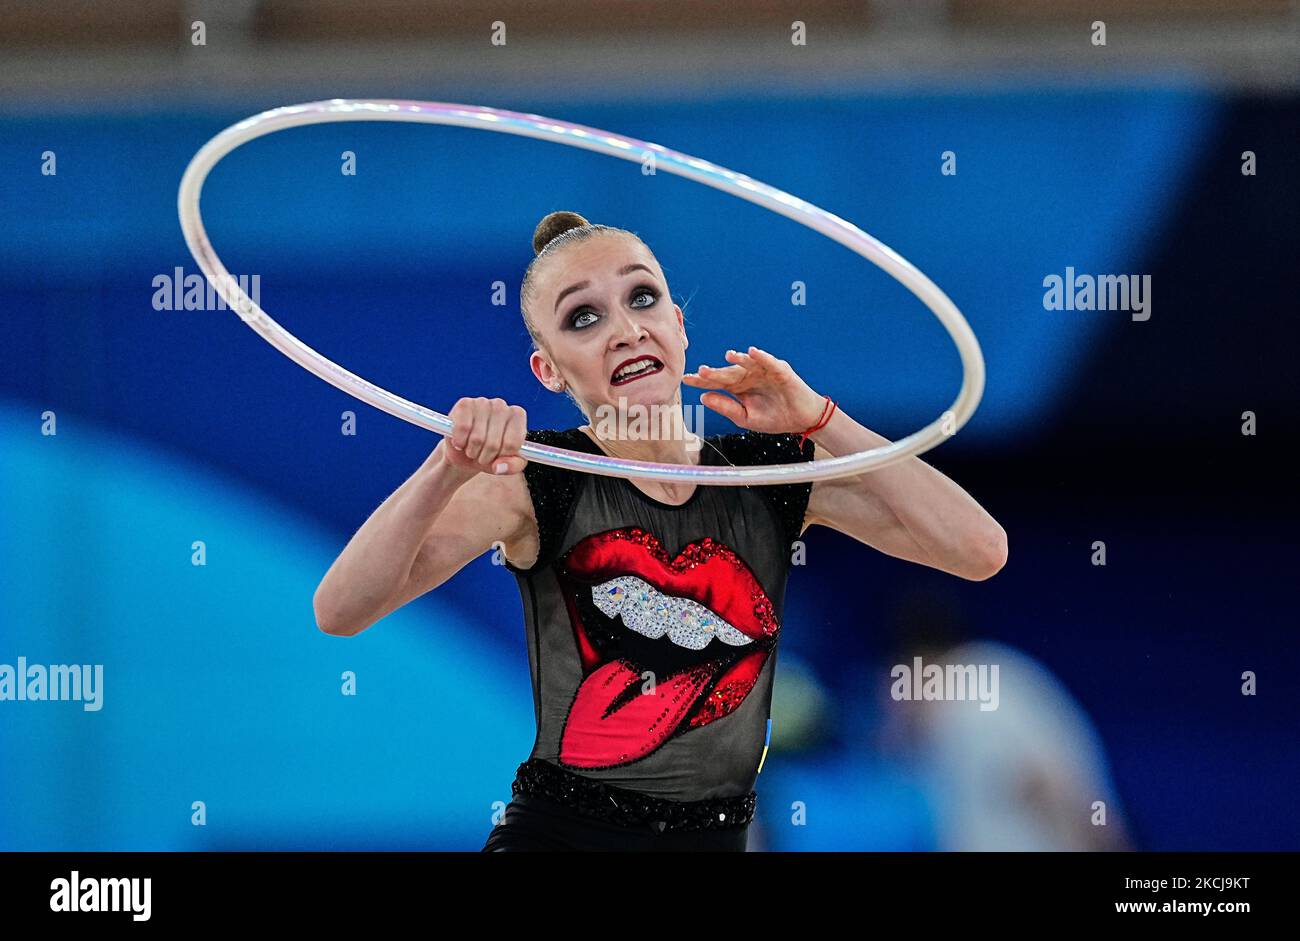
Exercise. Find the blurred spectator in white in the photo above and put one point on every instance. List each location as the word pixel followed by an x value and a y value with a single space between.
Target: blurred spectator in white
pixel 1026 775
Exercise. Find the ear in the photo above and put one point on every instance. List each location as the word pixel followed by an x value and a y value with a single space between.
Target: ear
pixel 542 369
pixel 681 327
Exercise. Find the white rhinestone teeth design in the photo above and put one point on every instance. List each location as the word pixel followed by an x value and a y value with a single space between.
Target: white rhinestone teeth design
pixel 652 614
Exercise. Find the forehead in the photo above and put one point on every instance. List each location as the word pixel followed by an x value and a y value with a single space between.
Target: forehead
pixel 594 259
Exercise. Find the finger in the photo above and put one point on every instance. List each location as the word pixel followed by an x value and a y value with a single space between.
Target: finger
pixel 478 431
pixel 766 358
pixel 462 420
pixel 516 431
pixel 725 406
pixel 498 416
pixel 514 435
pixel 735 369
pixel 512 465
pixel 712 377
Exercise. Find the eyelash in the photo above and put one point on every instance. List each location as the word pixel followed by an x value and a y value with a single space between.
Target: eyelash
pixel 643 289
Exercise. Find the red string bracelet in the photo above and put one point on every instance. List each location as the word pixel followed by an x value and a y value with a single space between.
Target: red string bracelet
pixel 821 422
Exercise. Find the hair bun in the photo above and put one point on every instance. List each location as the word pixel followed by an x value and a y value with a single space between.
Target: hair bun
pixel 554 225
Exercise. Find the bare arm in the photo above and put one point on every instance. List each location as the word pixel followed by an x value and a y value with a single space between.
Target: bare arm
pixel 449 512
pixel 908 510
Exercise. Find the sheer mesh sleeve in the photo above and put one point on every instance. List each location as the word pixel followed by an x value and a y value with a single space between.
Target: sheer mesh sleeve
pixel 789 502
pixel 553 491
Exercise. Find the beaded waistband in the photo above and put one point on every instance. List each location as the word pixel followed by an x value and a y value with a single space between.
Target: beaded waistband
pixel 630 808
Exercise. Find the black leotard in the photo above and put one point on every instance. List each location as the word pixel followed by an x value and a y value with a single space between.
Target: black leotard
pixel 652 628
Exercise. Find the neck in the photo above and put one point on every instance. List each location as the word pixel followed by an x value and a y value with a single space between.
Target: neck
pixel 664 440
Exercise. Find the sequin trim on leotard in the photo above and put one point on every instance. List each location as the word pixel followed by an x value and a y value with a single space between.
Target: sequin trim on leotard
pixel 629 808
pixel 788 502
pixel 553 490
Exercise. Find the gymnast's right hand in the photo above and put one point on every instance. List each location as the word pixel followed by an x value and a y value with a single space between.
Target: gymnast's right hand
pixel 485 438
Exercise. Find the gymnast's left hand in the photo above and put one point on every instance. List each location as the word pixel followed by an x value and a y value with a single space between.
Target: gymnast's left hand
pixel 769 395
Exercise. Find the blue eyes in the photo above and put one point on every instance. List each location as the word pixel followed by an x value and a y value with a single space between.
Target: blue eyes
pixel 584 311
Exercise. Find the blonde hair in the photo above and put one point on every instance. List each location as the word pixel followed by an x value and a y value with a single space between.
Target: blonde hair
pixel 556 230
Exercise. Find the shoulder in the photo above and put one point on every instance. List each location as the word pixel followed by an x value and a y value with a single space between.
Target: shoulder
pixel 556 437
pixel 549 492
pixel 761 447
pixel 519 492
pixel 543 478
pixel 569 439
pixel 787 502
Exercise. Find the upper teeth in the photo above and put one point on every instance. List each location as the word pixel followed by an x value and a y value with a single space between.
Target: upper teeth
pixel 630 368
pixel 651 613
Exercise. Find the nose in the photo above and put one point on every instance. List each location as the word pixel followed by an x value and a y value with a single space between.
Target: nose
pixel 627 330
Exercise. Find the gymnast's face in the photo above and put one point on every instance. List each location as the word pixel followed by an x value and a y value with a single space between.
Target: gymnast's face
pixel 604 314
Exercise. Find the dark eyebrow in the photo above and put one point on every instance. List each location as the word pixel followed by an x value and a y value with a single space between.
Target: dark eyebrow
pixel 626 269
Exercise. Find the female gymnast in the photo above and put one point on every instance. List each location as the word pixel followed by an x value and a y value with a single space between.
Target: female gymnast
pixel 652 609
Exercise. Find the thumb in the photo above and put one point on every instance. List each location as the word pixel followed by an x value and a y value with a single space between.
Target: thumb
pixel 514 465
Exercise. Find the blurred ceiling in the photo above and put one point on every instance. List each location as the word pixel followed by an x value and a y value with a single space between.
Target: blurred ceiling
pixel 74 51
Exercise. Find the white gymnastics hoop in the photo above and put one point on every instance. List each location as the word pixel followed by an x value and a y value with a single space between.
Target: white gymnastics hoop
pixel 614 145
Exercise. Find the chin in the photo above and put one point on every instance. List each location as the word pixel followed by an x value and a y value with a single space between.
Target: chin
pixel 662 394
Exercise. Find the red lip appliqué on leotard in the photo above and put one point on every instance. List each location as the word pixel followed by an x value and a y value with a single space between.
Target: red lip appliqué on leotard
pixel 612 720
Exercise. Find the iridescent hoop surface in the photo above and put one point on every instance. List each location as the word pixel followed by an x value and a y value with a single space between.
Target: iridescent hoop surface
pixel 615 145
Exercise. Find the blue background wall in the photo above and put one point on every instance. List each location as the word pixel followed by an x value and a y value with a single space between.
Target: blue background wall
pixel 183 425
